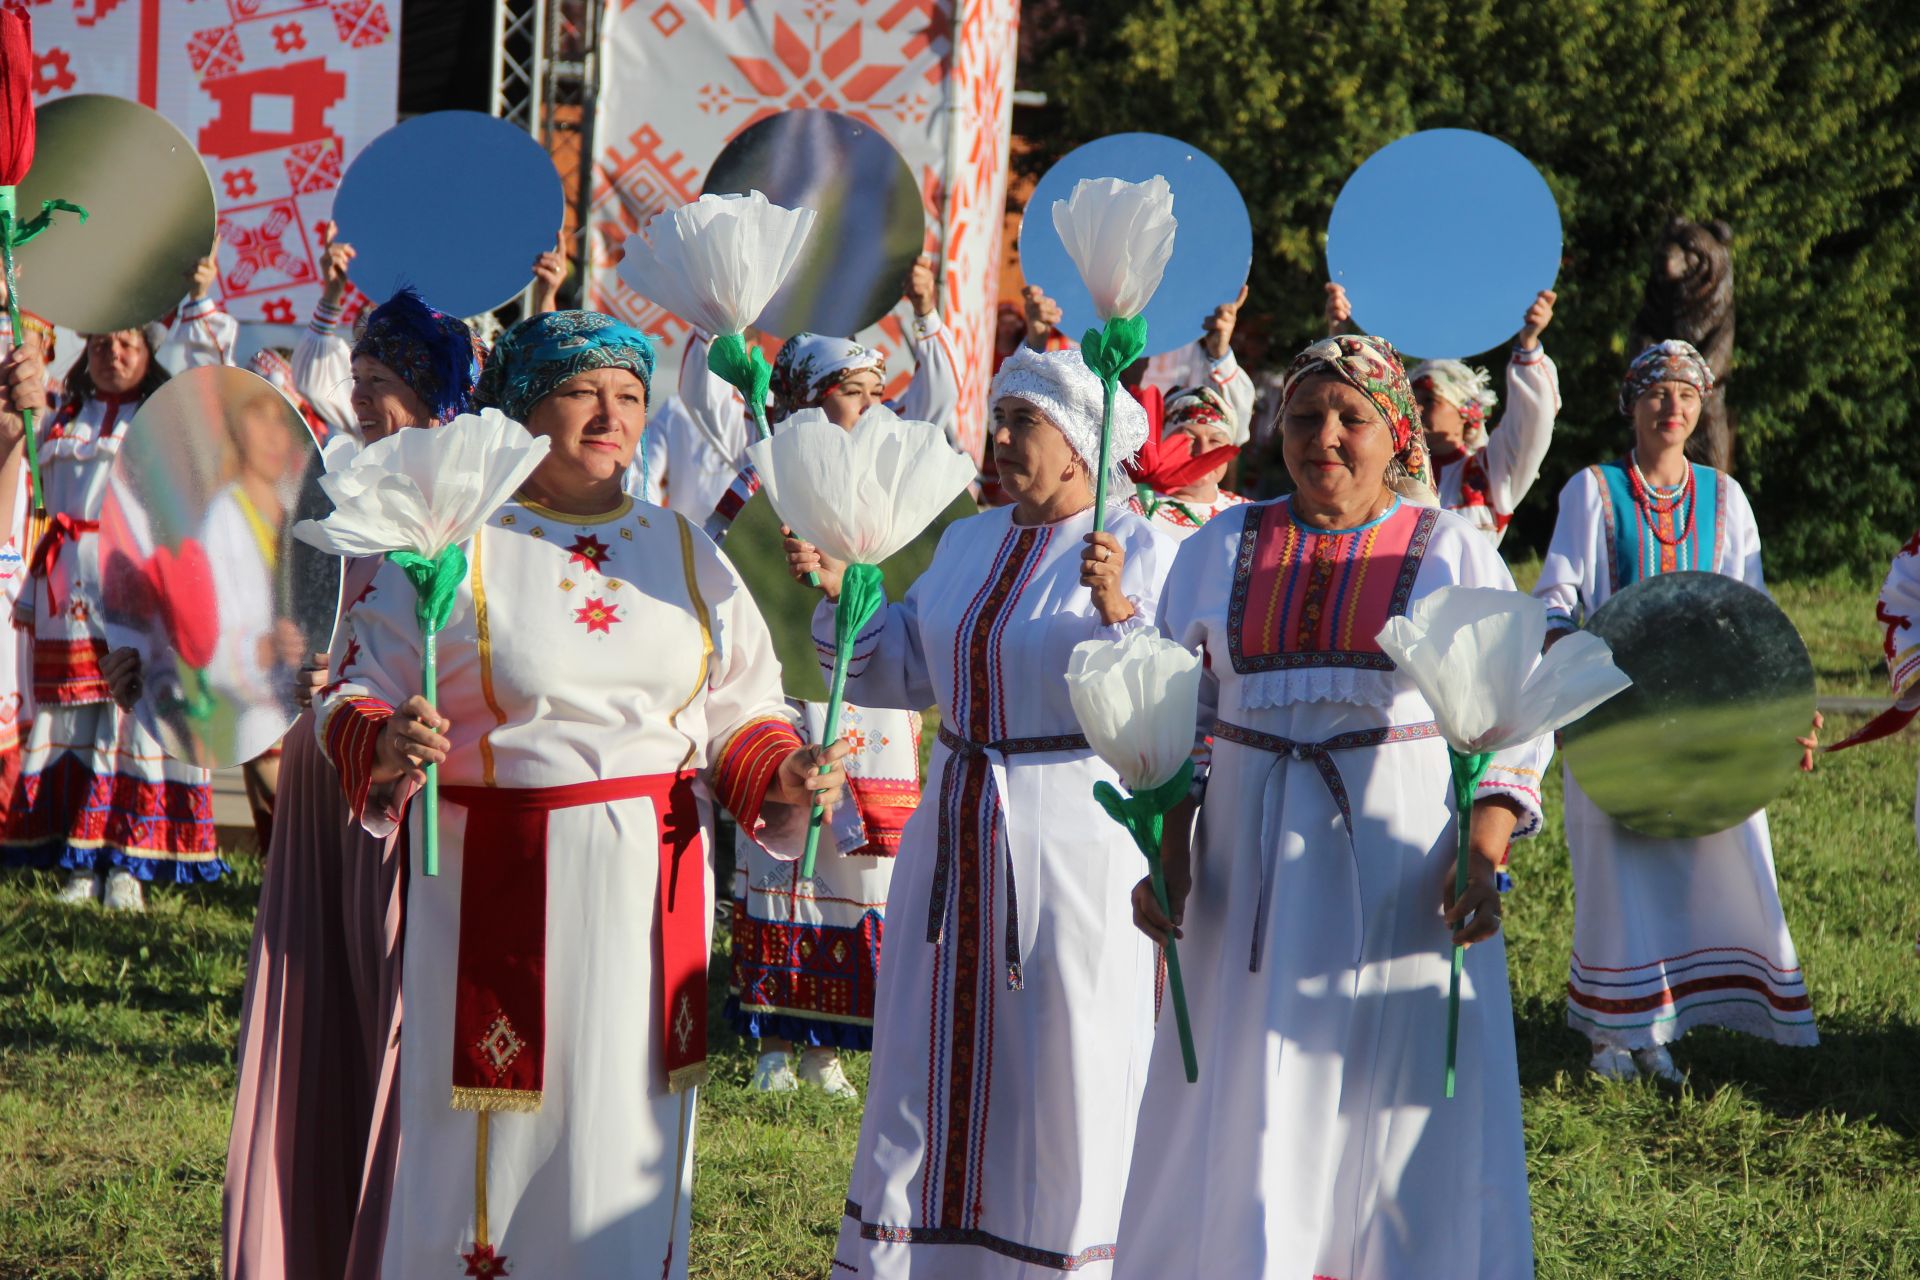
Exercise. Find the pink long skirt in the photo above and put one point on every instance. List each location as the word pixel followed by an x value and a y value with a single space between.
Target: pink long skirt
pixel 315 1121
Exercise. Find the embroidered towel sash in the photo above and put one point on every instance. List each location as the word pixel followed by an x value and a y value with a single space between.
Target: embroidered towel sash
pixel 985 823
pixel 500 993
pixel 1320 755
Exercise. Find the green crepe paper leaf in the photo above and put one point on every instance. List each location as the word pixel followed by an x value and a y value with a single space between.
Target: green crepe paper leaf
pixel 1468 771
pixel 1109 351
pixel 1143 814
pixel 17 232
pixel 435 582
pixel 862 592
pixel 745 368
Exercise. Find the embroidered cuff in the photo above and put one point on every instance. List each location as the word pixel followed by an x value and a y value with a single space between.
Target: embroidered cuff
pixel 326 316
pixel 351 732
pixel 198 308
pixel 1521 786
pixel 924 327
pixel 1559 620
pixel 746 766
pixel 1522 356
pixel 1905 670
pixel 1223 370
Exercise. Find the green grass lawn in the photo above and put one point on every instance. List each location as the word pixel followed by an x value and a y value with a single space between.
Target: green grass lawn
pixel 116 1039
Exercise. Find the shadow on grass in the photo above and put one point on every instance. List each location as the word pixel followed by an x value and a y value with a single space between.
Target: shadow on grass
pixel 1862 1071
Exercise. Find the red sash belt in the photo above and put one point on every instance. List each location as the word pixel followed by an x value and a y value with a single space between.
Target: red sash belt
pixel 500 994
pixel 61 528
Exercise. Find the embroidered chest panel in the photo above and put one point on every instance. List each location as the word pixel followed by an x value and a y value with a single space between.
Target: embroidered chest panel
pixel 1645 541
pixel 1303 598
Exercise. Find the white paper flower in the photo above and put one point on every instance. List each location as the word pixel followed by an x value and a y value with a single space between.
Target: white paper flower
pixel 423 489
pixel 863 494
pixel 1120 235
pixel 717 262
pixel 1471 651
pixel 1136 700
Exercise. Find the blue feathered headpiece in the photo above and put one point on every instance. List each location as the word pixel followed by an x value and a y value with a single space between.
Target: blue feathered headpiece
pixel 432 352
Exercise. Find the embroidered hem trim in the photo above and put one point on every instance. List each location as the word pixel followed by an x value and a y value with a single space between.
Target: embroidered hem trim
pixel 467 1098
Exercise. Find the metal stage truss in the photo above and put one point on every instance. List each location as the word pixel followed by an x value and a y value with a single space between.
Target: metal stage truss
pixel 545 78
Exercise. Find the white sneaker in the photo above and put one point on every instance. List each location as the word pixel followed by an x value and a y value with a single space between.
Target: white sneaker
pixel 1611 1062
pixel 774 1073
pixel 821 1067
pixel 81 887
pixel 1658 1063
pixel 123 892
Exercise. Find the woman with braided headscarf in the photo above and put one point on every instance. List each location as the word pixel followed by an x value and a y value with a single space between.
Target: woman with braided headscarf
pixel 1668 935
pixel 1311 906
pixel 1177 480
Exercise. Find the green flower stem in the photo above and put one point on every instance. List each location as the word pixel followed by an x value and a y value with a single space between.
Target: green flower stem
pixel 861 595
pixel 1143 814
pixel 7 220
pixel 435 583
pixel 1109 351
pixel 1467 770
pixel 430 820
pixel 747 370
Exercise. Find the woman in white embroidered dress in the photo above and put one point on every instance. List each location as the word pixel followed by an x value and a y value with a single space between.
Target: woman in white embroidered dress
pixel 1316 931
pixel 599 652
pixel 23 386
pixel 1667 934
pixel 1483 473
pixel 1014 1009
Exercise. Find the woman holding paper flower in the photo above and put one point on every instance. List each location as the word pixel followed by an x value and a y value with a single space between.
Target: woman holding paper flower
pixel 597 661
pixel 1315 931
pixel 1667 934
pixel 309 1168
pixel 1014 1009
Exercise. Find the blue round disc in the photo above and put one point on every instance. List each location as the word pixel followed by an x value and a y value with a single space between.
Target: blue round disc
pixel 456 204
pixel 1212 247
pixel 1441 240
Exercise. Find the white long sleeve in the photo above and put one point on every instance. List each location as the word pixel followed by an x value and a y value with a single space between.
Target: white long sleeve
pixel 1518 446
pixel 323 370
pixel 202 334
pixel 934 394
pixel 718 411
pixel 1191 366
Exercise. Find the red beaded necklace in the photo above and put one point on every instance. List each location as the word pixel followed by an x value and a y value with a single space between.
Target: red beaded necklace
pixel 1652 505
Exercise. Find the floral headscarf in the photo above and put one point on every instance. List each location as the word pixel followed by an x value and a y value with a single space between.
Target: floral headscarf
pixel 433 353
pixel 809 365
pixel 1466 388
pixel 1200 406
pixel 541 352
pixel 1669 361
pixel 1372 367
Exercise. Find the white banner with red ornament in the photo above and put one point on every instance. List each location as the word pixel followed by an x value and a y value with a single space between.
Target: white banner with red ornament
pixel 276 95
pixel 935 77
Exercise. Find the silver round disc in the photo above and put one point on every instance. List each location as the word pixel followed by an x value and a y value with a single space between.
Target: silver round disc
pixel 1704 739
pixel 199 569
pixel 150 215
pixel 870 224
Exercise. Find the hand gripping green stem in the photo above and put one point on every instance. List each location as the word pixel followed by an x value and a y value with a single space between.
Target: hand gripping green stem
pixel 1109 352
pixel 435 582
pixel 1467 770
pixel 14 233
pixel 861 595
pixel 1144 815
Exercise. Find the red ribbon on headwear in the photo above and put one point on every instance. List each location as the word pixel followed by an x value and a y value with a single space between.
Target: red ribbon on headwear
pixel 1167 462
pixel 16 94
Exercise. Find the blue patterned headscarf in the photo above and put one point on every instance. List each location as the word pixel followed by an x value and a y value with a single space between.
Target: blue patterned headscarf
pixel 541 352
pixel 1669 361
pixel 433 353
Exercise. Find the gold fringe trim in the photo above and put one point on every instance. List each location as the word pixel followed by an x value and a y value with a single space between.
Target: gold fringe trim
pixel 468 1099
pixel 691 1076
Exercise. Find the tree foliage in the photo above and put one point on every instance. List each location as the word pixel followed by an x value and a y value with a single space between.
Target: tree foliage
pixel 1797 123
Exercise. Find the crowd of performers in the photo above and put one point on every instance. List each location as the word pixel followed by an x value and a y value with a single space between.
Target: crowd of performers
pixel 609 693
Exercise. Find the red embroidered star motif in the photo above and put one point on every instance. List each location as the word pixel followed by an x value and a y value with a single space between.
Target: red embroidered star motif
pixel 587 550
pixel 598 615
pixel 482 1261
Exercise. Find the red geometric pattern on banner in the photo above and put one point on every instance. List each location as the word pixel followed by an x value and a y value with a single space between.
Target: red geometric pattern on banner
pixel 268 245
pixel 242 10
pixel 892 64
pixel 308 87
pixel 52 72
pixel 89 12
pixel 361 22
pixel 313 166
pixel 216 52
pixel 631 186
